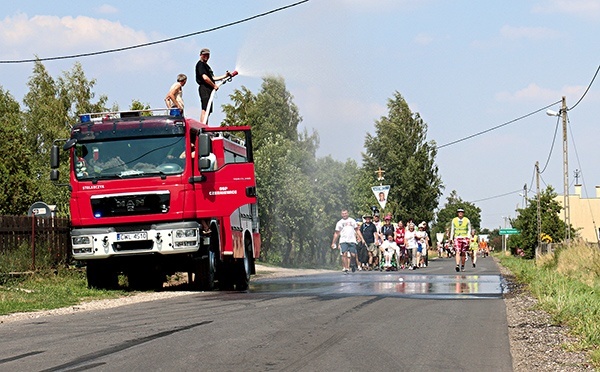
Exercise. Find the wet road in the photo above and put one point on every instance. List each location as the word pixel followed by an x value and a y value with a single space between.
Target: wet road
pixel 426 320
pixel 439 280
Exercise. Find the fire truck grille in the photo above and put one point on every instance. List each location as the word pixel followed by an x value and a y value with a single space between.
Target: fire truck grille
pixel 130 205
pixel 133 246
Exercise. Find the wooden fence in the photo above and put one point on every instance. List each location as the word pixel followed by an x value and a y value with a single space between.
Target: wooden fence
pixel 48 234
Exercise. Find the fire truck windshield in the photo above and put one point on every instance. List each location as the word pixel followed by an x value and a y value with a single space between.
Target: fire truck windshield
pixel 131 157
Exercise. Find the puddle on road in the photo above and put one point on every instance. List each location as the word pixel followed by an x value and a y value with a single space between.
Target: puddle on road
pixel 387 285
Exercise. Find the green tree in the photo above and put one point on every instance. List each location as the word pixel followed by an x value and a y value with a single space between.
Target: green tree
pixel 526 222
pixel 271 112
pixel 445 214
pixel 284 159
pixel 51 107
pixel 76 94
pixel 400 148
pixel 17 188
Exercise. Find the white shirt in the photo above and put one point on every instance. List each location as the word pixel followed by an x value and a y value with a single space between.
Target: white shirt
pixel 410 239
pixel 347 229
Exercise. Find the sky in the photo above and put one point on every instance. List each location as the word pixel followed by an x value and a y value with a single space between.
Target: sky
pixel 465 66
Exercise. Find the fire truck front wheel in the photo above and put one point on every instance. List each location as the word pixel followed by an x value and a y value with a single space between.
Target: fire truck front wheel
pixel 242 269
pixel 101 275
pixel 204 275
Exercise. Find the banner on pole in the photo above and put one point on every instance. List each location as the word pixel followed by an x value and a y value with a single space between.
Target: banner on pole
pixel 381 193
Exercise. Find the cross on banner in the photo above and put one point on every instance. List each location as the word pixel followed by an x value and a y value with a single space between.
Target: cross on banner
pixel 380 173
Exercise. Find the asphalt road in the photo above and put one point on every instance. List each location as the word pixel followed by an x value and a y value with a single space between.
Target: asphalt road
pixel 431 319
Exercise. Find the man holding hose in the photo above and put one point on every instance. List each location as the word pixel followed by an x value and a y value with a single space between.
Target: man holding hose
pixel 206 82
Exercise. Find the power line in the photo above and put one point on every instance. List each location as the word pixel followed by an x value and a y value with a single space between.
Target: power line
pixel 588 88
pixel 153 42
pixel 497 196
pixel 497 126
pixel 551 147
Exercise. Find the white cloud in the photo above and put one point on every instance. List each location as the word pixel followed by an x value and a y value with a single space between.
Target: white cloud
pixel 107 9
pixel 44 34
pixel 583 8
pixel 534 92
pixel 531 33
pixel 22 37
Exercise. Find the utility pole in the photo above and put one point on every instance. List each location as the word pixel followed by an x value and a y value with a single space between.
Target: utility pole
pixel 539 208
pixel 563 112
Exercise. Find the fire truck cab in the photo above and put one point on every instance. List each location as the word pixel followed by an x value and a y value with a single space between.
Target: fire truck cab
pixel 154 193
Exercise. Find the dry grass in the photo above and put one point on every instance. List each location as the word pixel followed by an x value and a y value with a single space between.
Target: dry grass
pixel 580 261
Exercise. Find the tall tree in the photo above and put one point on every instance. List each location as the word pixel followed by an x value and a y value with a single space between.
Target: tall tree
pixel 51 107
pixel 295 197
pixel 400 148
pixel 18 189
pixel 272 111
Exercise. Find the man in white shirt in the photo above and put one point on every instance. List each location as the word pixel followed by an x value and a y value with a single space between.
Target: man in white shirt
pixel 347 231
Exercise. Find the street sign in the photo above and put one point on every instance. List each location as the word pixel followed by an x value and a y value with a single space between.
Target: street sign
pixel 509 232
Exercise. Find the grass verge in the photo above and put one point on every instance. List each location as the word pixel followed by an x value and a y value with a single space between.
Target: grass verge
pixel 49 290
pixel 567 286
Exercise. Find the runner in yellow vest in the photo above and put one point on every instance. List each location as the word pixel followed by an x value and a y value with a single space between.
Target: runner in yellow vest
pixel 474 247
pixel 459 231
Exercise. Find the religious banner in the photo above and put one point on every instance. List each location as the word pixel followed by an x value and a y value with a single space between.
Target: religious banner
pixel 381 193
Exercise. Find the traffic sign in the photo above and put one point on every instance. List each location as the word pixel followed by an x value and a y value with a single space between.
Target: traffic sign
pixel 509 232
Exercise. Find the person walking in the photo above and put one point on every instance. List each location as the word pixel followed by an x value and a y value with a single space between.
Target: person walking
pixel 459 232
pixel 206 83
pixel 411 241
pixel 368 231
pixel 348 233
pixel 422 244
pixel 174 98
pixel 473 246
pixel 400 230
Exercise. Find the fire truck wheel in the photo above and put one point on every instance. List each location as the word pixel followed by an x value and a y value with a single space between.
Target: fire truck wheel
pixel 100 275
pixel 242 268
pixel 143 280
pixel 205 272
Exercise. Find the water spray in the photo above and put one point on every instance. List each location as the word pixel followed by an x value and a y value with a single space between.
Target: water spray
pixel 229 77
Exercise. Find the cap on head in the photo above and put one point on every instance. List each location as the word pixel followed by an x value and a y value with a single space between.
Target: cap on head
pixel 204 51
pixel 367 216
pixel 460 210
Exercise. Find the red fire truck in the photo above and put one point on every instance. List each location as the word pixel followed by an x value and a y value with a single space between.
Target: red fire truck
pixel 154 193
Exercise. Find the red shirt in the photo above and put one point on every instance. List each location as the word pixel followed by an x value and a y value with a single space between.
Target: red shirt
pixel 400 236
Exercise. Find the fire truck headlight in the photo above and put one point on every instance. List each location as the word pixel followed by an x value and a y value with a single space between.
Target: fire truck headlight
pixel 186 233
pixel 82 244
pixel 81 240
pixel 185 238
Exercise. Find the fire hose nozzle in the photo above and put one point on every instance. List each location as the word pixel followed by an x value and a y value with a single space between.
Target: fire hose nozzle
pixel 234 73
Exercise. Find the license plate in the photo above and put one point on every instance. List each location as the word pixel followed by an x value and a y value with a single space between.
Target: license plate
pixel 132 236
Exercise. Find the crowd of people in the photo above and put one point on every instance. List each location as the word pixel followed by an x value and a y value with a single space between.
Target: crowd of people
pixel 372 244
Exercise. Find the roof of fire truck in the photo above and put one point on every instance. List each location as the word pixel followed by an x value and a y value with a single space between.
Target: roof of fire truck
pixel 142 123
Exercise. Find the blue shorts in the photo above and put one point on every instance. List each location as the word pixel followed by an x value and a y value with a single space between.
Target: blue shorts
pixel 348 247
